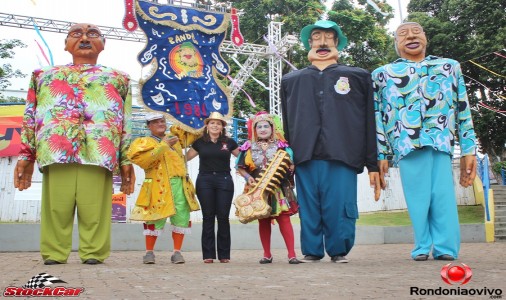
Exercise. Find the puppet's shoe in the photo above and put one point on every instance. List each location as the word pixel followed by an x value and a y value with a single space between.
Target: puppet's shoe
pixel 311 258
pixel 92 261
pixel 421 257
pixel 50 262
pixel 339 259
pixel 445 257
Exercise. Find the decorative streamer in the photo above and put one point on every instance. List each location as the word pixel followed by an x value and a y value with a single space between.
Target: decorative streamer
pixel 234 83
pixel 252 77
pixel 493 92
pixel 499 55
pixel 39 61
pixel 486 69
pixel 274 50
pixel 44 41
pixel 492 109
pixel 376 8
pixel 484 55
pixel 42 51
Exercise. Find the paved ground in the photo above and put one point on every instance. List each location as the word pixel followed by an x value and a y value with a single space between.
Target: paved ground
pixel 374 272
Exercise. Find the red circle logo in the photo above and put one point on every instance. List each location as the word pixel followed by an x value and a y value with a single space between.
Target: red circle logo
pixel 452 274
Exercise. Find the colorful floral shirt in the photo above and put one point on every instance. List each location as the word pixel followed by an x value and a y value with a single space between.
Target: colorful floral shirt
pixel 417 104
pixel 77 114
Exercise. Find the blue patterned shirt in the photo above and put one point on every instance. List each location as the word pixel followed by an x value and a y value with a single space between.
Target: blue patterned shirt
pixel 417 104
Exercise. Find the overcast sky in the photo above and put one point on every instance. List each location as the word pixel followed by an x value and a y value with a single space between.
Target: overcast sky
pixel 118 54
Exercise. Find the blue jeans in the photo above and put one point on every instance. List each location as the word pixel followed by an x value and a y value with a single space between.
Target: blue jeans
pixel 215 191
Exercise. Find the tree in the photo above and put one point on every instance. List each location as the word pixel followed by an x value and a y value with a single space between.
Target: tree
pixel 369 44
pixel 474 33
pixel 11 99
pixel 255 17
pixel 6 71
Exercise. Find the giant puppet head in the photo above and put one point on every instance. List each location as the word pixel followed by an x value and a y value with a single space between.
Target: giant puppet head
pixel 85 42
pixel 323 39
pixel 410 41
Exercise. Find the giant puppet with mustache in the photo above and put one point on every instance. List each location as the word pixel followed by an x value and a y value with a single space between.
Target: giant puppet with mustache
pixel 328 118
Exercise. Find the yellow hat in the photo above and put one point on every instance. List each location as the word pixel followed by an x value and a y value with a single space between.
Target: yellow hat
pixel 216 116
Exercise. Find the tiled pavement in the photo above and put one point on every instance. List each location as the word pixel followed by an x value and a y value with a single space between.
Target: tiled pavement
pixel 383 271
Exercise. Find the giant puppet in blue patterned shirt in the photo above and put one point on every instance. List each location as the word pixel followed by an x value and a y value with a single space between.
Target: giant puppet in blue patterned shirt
pixel 420 106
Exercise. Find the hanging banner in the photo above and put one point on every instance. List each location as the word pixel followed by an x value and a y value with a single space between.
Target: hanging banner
pixel 183 50
pixel 11 120
pixel 118 214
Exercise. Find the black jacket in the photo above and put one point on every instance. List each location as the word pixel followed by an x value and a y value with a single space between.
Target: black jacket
pixel 329 115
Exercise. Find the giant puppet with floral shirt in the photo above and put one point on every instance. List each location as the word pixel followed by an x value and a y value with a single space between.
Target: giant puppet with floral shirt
pixel 77 126
pixel 257 154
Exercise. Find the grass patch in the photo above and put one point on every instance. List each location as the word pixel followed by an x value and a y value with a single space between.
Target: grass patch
pixel 468 214
pixel 385 218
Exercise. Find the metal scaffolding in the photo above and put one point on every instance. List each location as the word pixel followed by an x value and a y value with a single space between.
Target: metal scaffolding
pixel 275 50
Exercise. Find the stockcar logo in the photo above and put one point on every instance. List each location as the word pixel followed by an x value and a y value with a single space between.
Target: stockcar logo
pixel 40 285
pixel 455 274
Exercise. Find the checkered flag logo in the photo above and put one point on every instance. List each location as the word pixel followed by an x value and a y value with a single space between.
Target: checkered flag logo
pixel 42 280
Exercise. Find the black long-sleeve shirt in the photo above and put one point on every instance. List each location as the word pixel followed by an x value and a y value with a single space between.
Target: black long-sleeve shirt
pixel 329 115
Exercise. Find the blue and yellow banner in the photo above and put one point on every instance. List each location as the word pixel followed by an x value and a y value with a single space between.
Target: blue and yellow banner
pixel 183 50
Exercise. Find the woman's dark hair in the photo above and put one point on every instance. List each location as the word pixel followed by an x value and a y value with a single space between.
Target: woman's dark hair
pixel 222 138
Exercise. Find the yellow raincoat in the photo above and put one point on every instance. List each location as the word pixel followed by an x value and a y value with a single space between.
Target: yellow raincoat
pixel 160 163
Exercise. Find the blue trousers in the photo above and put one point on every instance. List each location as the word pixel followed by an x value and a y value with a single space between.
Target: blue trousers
pixel 327 194
pixel 427 181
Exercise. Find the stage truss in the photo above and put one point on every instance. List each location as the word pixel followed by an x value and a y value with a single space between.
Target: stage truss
pixel 274 52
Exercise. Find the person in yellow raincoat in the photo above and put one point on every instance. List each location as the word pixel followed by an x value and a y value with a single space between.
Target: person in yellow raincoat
pixel 166 191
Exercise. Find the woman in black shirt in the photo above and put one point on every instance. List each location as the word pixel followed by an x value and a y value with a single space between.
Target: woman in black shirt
pixel 214 185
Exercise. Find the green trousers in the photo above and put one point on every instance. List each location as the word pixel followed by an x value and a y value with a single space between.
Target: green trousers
pixel 65 189
pixel 181 220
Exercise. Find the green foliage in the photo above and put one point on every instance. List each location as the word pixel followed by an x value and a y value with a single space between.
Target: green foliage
pixel 6 71
pixel 11 99
pixel 472 30
pixel 498 166
pixel 369 44
pixel 255 17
